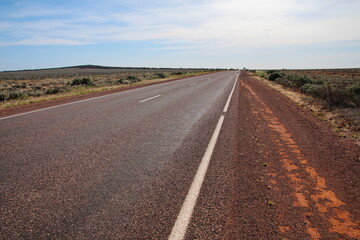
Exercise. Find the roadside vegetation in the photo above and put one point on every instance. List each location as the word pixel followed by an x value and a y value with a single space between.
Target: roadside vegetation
pixel 24 87
pixel 332 95
pixel 337 88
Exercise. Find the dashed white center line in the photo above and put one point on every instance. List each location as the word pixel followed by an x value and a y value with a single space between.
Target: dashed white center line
pixel 149 98
pixel 193 84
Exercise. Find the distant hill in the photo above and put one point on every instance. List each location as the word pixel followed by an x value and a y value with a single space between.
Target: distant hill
pixel 100 67
pixel 87 70
pixel 89 66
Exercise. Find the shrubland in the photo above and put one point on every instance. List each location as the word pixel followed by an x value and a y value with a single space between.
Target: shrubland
pixel 331 95
pixel 337 88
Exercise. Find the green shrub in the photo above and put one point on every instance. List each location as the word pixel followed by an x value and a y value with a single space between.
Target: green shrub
pixel 261 74
pixel 129 79
pixel 17 95
pixel 294 81
pixel 285 82
pixel 20 85
pixel 35 93
pixel 83 81
pixel 176 73
pixel 53 90
pixel 299 81
pixel 274 75
pixel 354 94
pixel 36 87
pixel 314 90
pixel 4 96
pixel 123 81
pixel 355 89
pixel 336 96
pixel 160 75
pixel 356 101
pixel 333 95
pixel 132 79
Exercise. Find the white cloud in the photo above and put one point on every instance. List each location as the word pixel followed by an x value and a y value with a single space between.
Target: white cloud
pixel 223 24
pixel 44 41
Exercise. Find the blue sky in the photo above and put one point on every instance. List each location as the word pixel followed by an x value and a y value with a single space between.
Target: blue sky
pixel 180 33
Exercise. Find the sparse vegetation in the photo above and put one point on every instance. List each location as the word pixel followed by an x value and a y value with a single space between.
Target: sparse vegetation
pixel 82 81
pixel 129 79
pixel 337 88
pixel 178 73
pixel 160 75
pixel 23 87
pixel 331 95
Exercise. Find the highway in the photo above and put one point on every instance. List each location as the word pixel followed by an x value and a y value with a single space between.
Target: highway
pixel 218 156
pixel 129 165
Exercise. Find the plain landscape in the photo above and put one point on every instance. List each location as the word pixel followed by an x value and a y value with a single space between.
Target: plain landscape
pixel 335 91
pixel 179 120
pixel 113 152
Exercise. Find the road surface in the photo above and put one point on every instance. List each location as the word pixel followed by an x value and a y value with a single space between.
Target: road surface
pixel 209 157
pixel 114 167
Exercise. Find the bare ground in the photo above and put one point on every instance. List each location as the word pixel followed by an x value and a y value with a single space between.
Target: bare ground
pixel 294 179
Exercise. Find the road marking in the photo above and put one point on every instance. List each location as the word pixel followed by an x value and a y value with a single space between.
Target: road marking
pixel 193 84
pixel 61 105
pixel 231 93
pixel 183 219
pixel 149 98
pixel 80 101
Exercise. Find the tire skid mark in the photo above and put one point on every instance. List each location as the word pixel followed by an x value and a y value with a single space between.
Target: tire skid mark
pixel 303 178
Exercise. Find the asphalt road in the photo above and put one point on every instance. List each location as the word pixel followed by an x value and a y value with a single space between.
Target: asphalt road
pixel 116 167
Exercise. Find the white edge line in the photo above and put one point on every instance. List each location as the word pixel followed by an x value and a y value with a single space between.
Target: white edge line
pixel 61 105
pixel 179 229
pixel 193 84
pixel 149 98
pixel 231 93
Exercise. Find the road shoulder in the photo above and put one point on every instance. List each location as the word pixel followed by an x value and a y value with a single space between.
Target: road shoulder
pixel 312 174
